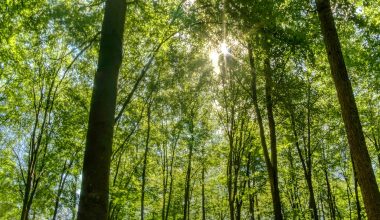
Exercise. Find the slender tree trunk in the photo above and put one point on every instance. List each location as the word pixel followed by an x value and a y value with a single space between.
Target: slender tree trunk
pixel 322 206
pixel 25 210
pixel 230 170
pixel 330 197
pixel 75 197
pixel 37 149
pixel 271 165
pixel 358 207
pixel 203 187
pixel 312 202
pixel 186 207
pixel 239 204
pixel 61 185
pixel 145 164
pixel 251 195
pixel 356 140
pixel 357 201
pixel 251 207
pixel 171 178
pixel 348 192
pixel 257 208
pixel 273 142
pixel 96 165
pixel 306 165
pixel 165 176
pixel 292 190
pixel 231 200
pixel 309 158
pixel 169 197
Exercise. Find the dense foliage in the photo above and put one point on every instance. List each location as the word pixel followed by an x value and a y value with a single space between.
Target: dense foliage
pixel 218 102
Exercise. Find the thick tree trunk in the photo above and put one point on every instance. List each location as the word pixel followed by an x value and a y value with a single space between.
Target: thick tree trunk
pixel 356 140
pixel 96 165
pixel 271 165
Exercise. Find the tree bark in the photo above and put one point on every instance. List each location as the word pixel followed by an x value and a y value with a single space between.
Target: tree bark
pixel 356 140
pixel 96 165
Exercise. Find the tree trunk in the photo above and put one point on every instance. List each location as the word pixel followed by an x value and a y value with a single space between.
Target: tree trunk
pixel 271 165
pixel 61 185
pixel 312 202
pixel 171 177
pixel 273 142
pixel 145 163
pixel 358 207
pixel 356 140
pixel 306 163
pixel 203 186
pixel 309 158
pixel 329 196
pixel 186 207
pixel 357 201
pixel 257 207
pixel 165 176
pixel 322 206
pixel 251 207
pixel 251 195
pixel 25 210
pixel 93 202
pixel 75 198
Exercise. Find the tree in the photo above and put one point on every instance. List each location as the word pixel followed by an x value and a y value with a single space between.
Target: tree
pixel 97 158
pixel 356 140
pixel 224 109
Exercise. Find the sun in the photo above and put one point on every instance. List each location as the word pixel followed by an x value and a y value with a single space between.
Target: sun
pixel 215 53
pixel 224 48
